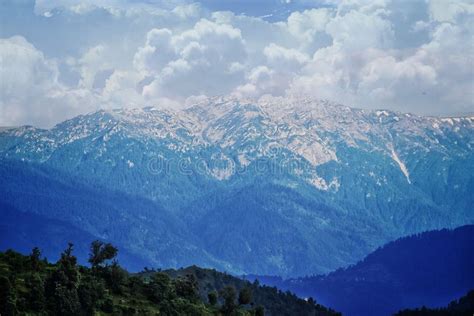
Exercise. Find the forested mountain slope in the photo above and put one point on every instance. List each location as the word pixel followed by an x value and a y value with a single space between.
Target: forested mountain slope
pixel 429 269
pixel 246 185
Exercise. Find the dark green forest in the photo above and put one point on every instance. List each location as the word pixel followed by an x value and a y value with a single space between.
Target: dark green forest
pixel 461 307
pixel 30 285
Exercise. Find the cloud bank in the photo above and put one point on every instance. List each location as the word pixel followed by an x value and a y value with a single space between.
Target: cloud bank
pixel 77 56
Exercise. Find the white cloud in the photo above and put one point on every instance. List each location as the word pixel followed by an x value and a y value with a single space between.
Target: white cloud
pixel 363 67
pixel 359 52
pixel 261 81
pixel 24 67
pixel 157 52
pixel 449 10
pixel 286 57
pixel 307 24
pixel 206 59
pixel 364 6
pixel 122 89
pixel 420 26
pixel 30 90
pixel 451 53
pixel 385 78
pixel 357 31
pixel 95 60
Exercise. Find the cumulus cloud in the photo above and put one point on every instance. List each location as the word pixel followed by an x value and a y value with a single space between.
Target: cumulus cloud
pixel 23 66
pixel 30 91
pixel 260 81
pixel 157 52
pixel 278 56
pixel 415 57
pixel 94 61
pixel 206 59
pixel 309 26
pixel 449 10
pixel 363 67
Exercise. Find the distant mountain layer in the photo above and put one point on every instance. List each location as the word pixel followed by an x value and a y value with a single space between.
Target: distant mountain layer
pixel 279 186
pixel 429 269
pixel 461 307
pixel 23 231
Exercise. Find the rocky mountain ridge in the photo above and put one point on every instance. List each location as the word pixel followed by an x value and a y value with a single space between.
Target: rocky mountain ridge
pixel 316 176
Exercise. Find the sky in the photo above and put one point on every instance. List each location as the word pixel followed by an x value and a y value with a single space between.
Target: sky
pixel 61 58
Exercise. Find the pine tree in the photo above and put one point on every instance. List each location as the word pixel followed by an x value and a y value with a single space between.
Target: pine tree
pixel 61 286
pixel 228 294
pixel 259 311
pixel 245 296
pixel 212 298
pixel 36 300
pixel 35 259
pixel 160 288
pixel 7 298
pixel 116 277
pixel 90 291
pixel 187 287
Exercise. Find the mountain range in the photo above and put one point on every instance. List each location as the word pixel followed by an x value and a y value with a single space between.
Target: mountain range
pixel 278 186
pixel 428 269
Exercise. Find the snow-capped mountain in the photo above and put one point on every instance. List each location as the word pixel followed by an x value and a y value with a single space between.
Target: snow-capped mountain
pixel 287 186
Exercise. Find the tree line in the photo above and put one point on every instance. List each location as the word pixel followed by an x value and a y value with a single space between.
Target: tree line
pixel 31 285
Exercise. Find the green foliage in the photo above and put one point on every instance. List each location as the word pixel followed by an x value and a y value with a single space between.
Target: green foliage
pixel 159 288
pixel 187 287
pixel 259 311
pixel 35 259
pixel 273 301
pixel 36 300
pixel 7 297
pixel 101 253
pixel 31 286
pixel 68 266
pixel 228 294
pixel 90 291
pixel 116 277
pixel 212 298
pixel 245 296
pixel 62 284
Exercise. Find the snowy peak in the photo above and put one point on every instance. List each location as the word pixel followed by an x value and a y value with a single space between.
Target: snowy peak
pixel 314 131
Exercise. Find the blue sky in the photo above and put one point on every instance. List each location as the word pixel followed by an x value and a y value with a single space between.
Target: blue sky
pixel 60 58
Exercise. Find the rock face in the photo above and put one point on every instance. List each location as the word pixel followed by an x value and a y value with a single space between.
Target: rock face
pixel 286 186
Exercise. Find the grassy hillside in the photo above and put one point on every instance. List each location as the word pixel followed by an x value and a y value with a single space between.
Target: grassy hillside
pixel 30 285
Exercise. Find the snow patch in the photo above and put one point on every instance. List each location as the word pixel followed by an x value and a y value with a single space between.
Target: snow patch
pixel 321 184
pixel 448 120
pixel 222 167
pixel 380 113
pixel 400 163
pixel 222 174
pixel 243 160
